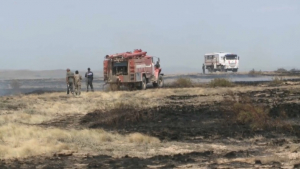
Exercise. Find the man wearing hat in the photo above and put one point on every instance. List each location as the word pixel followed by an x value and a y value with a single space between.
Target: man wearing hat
pixel 89 81
pixel 70 81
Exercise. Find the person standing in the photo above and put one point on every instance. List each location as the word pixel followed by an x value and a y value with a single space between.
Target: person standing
pixel 157 65
pixel 77 78
pixel 70 81
pixel 203 68
pixel 90 77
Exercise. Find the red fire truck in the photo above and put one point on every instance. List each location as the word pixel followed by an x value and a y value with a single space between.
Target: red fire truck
pixel 132 69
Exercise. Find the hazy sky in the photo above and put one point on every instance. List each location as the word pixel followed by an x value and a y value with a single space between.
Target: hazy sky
pixel 56 34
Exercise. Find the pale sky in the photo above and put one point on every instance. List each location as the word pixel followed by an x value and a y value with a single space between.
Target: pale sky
pixel 56 34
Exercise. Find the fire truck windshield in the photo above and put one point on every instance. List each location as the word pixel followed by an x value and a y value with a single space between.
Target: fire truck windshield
pixel 119 68
pixel 231 57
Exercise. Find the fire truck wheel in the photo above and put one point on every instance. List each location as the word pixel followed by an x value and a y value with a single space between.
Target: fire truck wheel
pixel 144 83
pixel 160 81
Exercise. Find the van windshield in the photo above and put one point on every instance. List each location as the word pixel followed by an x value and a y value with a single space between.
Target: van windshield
pixel 231 57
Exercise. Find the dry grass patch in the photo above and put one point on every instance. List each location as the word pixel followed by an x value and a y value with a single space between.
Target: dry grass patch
pixel 22 141
pixel 36 109
pixel 11 105
pixel 26 116
pixel 271 159
pixel 141 138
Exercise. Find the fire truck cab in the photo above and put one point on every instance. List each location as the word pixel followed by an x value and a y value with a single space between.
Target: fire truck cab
pixel 132 69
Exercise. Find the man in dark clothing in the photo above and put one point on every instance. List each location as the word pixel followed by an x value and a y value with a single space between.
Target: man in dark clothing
pixel 203 68
pixel 157 65
pixel 70 81
pixel 89 75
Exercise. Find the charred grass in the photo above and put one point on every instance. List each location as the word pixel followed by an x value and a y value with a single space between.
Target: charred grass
pixel 184 82
pixel 238 116
pixel 164 122
pixel 121 114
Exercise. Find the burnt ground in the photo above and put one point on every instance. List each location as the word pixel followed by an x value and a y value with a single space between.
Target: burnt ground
pixel 183 118
pixel 169 123
pixel 160 161
pixel 103 161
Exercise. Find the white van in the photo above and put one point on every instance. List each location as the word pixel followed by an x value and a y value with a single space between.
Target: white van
pixel 221 61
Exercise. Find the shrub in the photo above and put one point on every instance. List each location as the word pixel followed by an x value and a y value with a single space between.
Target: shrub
pixel 254 72
pixel 281 70
pixel 243 111
pixel 15 85
pixel 256 116
pixel 276 81
pixel 294 70
pixel 220 82
pixel 183 82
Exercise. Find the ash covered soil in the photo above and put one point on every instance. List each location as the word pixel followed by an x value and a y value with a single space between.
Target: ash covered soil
pixel 198 122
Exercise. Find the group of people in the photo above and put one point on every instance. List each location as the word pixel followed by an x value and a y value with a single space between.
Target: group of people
pixel 74 80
